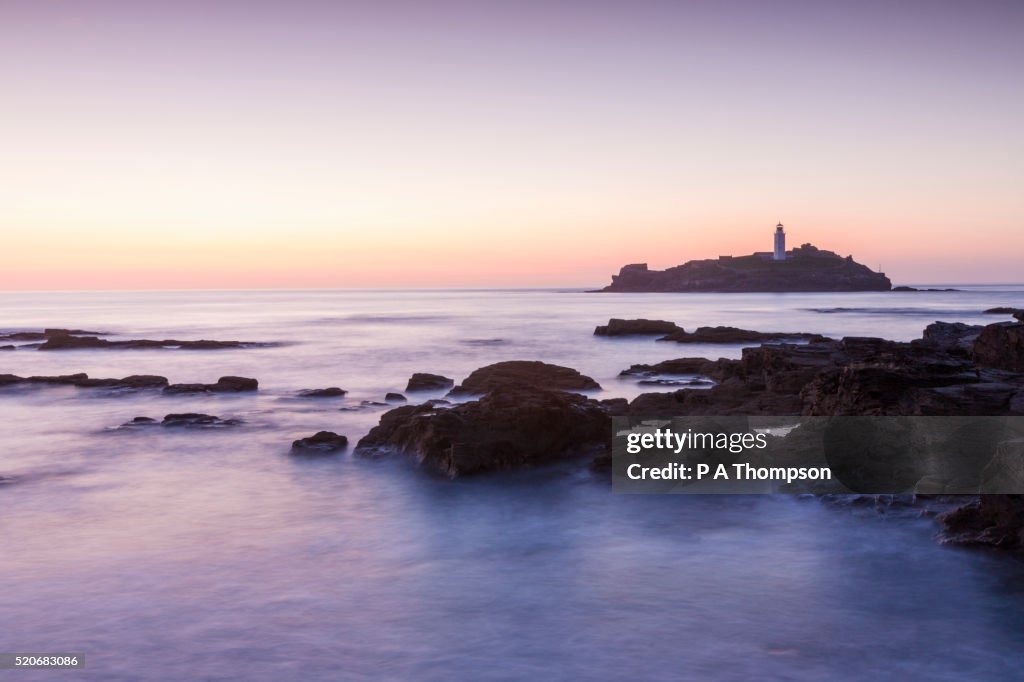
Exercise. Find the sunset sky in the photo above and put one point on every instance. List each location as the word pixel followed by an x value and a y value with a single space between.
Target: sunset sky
pixel 520 143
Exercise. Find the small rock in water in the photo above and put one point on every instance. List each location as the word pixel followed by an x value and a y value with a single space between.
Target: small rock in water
pixel 227 384
pixel 422 381
pixel 332 392
pixel 617 327
pixel 395 397
pixel 322 443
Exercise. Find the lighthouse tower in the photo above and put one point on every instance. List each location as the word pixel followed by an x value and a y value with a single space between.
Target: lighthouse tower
pixel 780 243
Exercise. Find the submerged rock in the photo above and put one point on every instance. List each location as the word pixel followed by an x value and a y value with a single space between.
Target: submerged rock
pixel 82 380
pixel 640 327
pixel 524 374
pixel 322 443
pixel 332 392
pixel 228 384
pixel 422 381
pixel 509 428
pixel 73 339
pixel 183 419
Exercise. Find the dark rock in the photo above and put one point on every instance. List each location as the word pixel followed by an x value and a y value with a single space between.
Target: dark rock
pixel 992 520
pixel 524 374
pixel 421 381
pixel 904 288
pixel 8 347
pixel 617 327
pixel 952 337
pixel 143 381
pixel 197 419
pixel 227 384
pixel 806 268
pixel 10 379
pixel 1004 310
pixel 735 335
pixel 332 392
pixel 73 339
pixel 1001 346
pixel 395 397
pixel 676 382
pixel 82 380
pixel 324 442
pixel 63 379
pixel 143 420
pixel 506 429
pixel 679 366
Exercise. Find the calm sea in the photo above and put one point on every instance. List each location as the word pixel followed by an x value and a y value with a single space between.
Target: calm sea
pixel 212 554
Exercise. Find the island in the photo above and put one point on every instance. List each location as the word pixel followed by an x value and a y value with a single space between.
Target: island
pixel 805 268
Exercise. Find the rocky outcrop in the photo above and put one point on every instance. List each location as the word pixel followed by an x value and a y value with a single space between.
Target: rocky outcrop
pixel 524 374
pixel 736 335
pixel 806 268
pixel 82 380
pixel 422 381
pixel 512 427
pixel 641 327
pixel 322 443
pixel 227 384
pixel 1001 346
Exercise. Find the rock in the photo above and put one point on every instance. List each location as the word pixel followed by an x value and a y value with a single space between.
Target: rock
pixel 1004 310
pixel 735 335
pixel 8 347
pixel 421 381
pixel 679 366
pixel 1001 346
pixel 524 374
pixel 197 419
pixel 676 382
pixel 992 520
pixel 617 327
pixel 322 443
pixel 506 429
pixel 332 392
pixel 82 380
pixel 143 420
pixel 806 268
pixel 904 288
pixel 395 397
pixel 952 337
pixel 74 339
pixel 228 384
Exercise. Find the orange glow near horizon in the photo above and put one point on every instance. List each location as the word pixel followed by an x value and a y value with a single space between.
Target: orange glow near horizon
pixel 338 147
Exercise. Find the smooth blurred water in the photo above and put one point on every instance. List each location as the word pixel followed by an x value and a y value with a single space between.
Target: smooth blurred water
pixel 212 554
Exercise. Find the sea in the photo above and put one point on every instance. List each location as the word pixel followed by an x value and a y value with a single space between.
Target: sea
pixel 213 554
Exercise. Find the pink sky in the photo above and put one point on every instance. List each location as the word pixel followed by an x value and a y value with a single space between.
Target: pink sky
pixel 264 144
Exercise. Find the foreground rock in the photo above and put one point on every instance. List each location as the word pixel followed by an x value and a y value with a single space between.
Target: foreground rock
pixel 617 327
pixel 512 427
pixel 422 381
pixel 735 335
pixel 227 384
pixel 1001 346
pixel 82 380
pixel 524 374
pixel 322 443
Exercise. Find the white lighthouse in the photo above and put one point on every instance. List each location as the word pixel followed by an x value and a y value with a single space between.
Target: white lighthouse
pixel 780 243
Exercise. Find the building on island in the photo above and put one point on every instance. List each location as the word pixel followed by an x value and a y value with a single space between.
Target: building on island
pixel 780 243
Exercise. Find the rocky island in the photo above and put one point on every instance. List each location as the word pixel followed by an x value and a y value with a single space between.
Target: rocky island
pixel 805 268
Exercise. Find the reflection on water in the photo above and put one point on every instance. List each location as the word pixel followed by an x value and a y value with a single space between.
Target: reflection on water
pixel 169 554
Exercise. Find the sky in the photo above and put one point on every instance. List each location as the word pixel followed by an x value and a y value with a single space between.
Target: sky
pixel 150 145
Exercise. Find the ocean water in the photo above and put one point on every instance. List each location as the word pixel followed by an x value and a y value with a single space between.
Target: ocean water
pixel 173 554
